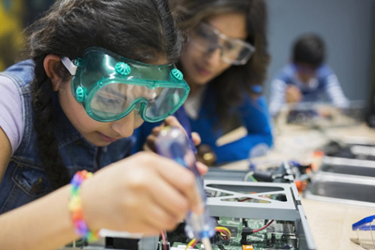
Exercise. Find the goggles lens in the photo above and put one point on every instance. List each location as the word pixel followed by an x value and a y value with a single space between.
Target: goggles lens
pixel 110 87
pixel 233 51
pixel 117 99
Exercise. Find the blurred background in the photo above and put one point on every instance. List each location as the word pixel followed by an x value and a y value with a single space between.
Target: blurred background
pixel 15 15
pixel 347 27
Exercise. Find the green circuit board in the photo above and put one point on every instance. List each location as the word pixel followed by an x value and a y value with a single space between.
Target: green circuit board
pixel 279 235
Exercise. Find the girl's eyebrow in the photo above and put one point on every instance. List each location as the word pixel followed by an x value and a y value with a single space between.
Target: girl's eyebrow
pixel 115 93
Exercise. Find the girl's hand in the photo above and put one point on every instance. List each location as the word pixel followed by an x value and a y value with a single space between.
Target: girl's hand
pixel 144 193
pixel 170 121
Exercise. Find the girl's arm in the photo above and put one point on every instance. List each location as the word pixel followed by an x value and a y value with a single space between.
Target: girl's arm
pixel 43 224
pixel 5 153
pixel 140 194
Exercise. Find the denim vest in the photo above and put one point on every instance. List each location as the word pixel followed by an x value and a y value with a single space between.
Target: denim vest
pixel 25 179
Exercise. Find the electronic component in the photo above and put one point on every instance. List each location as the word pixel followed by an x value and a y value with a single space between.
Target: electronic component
pixel 264 216
pixel 255 215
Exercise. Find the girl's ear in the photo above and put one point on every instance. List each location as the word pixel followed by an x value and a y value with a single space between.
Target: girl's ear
pixel 51 65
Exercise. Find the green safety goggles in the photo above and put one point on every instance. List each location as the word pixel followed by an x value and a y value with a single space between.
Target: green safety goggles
pixel 111 86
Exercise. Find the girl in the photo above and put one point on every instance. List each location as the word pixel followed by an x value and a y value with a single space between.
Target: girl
pixel 98 69
pixel 225 65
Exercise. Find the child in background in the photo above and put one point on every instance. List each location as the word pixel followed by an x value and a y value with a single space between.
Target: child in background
pixel 307 78
pixel 74 107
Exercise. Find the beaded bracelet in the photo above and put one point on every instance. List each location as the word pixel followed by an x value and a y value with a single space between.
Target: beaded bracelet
pixel 75 207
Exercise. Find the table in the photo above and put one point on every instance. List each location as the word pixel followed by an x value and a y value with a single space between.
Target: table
pixel 330 222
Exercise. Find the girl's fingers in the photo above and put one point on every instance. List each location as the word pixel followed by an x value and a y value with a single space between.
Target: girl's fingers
pixel 183 180
pixel 157 218
pixel 168 198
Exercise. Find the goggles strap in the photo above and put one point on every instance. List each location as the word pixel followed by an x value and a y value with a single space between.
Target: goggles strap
pixel 69 65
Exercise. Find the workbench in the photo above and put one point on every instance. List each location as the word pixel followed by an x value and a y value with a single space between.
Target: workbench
pixel 330 222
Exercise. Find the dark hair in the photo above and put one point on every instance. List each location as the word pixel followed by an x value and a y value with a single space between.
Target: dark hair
pixel 236 80
pixel 309 49
pixel 142 30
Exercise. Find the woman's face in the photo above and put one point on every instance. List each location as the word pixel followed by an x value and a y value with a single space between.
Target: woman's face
pixel 98 133
pixel 200 66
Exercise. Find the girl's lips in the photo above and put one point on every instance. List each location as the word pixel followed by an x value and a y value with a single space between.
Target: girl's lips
pixel 203 71
pixel 106 138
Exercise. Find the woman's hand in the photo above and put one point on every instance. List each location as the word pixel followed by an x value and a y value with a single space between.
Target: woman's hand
pixel 172 122
pixel 144 193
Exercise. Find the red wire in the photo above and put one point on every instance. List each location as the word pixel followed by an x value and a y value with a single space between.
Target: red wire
pixel 193 245
pixel 244 200
pixel 164 240
pixel 262 228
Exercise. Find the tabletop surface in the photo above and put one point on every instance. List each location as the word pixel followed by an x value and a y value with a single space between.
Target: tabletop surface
pixel 330 222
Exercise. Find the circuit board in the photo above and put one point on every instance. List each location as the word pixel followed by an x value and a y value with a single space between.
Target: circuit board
pixel 278 235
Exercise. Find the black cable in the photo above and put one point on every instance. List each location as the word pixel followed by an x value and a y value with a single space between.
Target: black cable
pixel 221 247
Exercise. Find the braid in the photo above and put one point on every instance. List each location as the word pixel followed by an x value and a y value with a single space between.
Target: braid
pixel 45 127
pixel 68 29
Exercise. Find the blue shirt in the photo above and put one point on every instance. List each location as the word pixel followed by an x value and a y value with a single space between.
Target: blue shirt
pixel 325 87
pixel 252 113
pixel 25 179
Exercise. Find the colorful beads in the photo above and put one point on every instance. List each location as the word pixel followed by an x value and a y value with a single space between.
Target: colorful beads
pixel 75 207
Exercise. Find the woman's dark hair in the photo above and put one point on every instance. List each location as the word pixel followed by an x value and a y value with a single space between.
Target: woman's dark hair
pixel 142 30
pixel 309 49
pixel 236 80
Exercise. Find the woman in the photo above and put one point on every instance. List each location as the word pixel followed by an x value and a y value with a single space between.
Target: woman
pixel 225 64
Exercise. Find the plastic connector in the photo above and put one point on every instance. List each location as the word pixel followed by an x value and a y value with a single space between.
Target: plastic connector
pixel 246 231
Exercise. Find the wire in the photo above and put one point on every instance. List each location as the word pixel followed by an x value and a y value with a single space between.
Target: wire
pixel 250 175
pixel 191 244
pixel 244 200
pixel 225 229
pixel 262 228
pixel 253 179
pixel 223 232
pixel 164 237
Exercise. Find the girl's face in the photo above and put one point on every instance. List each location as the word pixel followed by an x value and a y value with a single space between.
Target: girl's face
pixel 98 133
pixel 201 66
